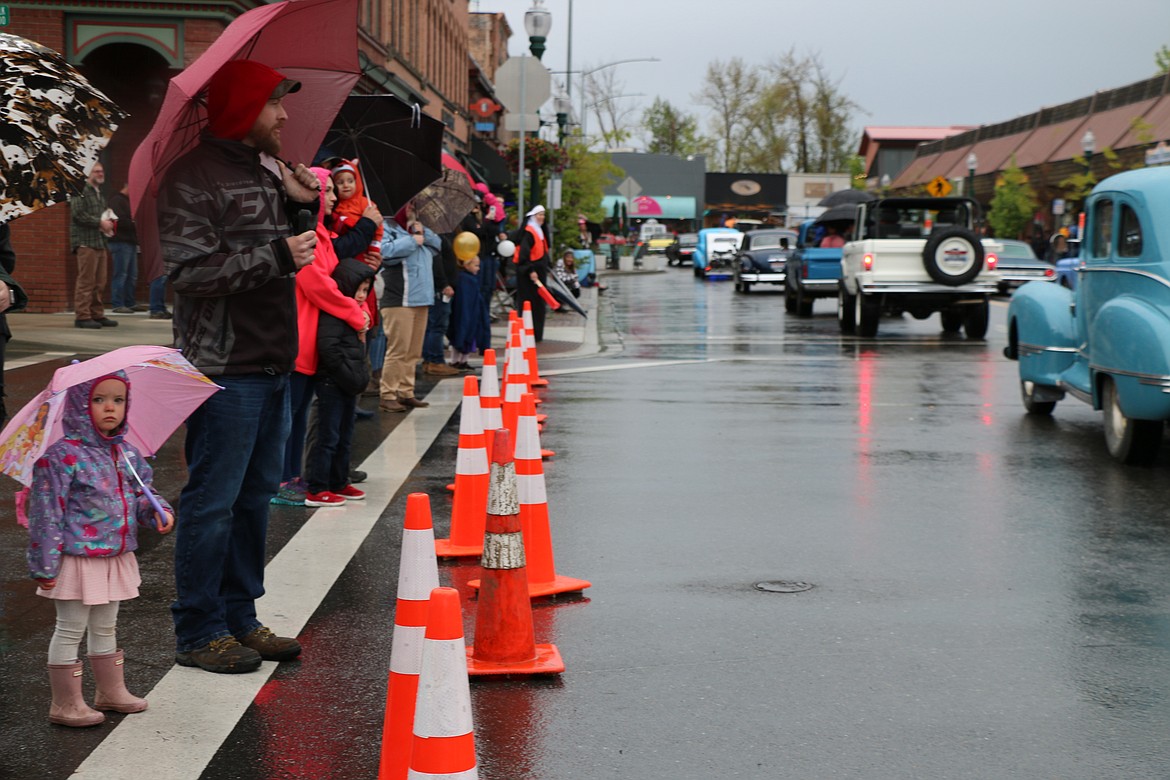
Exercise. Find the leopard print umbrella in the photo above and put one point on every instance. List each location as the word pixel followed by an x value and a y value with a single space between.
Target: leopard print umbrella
pixel 53 125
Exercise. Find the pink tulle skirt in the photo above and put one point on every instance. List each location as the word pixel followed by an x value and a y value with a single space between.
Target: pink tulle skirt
pixel 96 580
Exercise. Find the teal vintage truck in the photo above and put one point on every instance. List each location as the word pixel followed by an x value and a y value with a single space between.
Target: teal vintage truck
pixel 1108 341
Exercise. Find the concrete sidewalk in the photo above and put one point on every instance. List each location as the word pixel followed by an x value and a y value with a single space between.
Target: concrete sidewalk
pixel 566 334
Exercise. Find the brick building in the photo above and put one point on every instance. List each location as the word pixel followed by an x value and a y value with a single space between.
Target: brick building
pixel 416 49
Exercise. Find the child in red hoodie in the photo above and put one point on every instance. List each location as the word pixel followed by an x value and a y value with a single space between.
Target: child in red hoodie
pixel 351 205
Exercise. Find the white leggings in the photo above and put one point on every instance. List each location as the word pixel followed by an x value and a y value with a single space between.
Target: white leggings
pixel 74 619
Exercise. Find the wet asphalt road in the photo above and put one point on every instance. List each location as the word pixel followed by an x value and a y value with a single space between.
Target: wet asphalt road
pixel 989 596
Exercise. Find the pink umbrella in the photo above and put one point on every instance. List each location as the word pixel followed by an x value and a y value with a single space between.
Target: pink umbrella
pixel 165 389
pixel 311 41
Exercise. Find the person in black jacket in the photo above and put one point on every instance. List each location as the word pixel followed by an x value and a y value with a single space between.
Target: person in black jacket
pixel 341 378
pixel 532 267
pixel 12 298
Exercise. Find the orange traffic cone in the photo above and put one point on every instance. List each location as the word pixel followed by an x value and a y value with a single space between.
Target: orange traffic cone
pixel 534 377
pixel 515 385
pixel 528 416
pixel 489 399
pixel 504 639
pixel 471 481
pixel 418 575
pixel 444 733
pixel 543 579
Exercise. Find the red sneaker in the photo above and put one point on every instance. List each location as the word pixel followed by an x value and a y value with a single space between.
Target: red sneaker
pixel 351 493
pixel 324 498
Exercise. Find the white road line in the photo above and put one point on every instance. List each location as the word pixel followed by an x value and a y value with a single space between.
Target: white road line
pixel 193 712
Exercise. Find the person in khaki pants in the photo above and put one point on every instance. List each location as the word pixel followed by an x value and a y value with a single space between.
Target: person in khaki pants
pixel 408 270
pixel 88 234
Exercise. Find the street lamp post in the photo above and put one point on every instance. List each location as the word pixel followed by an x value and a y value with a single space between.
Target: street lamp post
pixel 564 106
pixel 1088 146
pixel 538 24
pixel 972 164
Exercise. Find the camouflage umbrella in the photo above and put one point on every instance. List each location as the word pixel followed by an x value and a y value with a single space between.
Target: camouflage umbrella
pixel 53 125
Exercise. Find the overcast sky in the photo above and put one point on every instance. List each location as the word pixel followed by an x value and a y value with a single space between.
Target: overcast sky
pixel 905 62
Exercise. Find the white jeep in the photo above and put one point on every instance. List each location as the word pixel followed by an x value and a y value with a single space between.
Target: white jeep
pixel 918 256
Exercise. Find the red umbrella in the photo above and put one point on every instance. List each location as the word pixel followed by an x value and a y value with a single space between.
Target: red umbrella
pixel 455 165
pixel 311 41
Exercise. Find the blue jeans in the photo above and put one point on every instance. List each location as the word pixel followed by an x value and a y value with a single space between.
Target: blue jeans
pixel 327 467
pixel 300 399
pixel 235 447
pixel 125 274
pixel 437 319
pixel 158 295
pixel 376 349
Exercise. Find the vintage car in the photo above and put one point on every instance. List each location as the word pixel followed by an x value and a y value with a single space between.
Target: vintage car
pixel 681 251
pixel 813 272
pixel 1108 341
pixel 762 257
pixel 1018 264
pixel 917 256
pixel 715 252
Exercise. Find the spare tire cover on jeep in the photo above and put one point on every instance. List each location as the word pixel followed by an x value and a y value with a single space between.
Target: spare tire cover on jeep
pixel 953 256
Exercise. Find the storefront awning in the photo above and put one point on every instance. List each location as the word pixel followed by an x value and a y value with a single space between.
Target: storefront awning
pixel 657 206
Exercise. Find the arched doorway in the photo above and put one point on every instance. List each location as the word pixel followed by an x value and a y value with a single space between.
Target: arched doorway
pixel 135 77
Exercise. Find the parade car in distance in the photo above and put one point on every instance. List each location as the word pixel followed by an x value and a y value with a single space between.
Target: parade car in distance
pixel 813 272
pixel 917 256
pixel 715 252
pixel 1018 264
pixel 1108 341
pixel 682 249
pixel 762 258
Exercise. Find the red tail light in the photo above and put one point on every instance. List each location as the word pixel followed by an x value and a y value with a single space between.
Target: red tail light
pixel 992 259
pixel 1049 272
pixel 804 272
pixel 867 262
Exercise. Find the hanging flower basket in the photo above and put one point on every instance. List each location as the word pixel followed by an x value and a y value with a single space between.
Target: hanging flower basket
pixel 539 154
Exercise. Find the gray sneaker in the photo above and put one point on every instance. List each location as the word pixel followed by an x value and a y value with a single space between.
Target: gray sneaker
pixel 222 656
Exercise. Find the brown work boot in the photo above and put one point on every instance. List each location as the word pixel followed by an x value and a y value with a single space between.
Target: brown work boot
pixel 440 369
pixel 270 646
pixel 413 403
pixel 222 656
pixel 391 406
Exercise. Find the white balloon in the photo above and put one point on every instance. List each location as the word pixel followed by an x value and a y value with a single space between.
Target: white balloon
pixel 505 248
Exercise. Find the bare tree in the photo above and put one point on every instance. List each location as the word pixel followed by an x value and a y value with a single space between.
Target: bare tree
pixel 832 110
pixel 729 90
pixel 604 94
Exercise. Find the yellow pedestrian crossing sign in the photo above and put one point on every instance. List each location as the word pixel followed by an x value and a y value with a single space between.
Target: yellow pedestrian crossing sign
pixel 939 187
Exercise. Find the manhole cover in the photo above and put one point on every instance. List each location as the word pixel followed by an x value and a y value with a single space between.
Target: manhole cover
pixel 783 586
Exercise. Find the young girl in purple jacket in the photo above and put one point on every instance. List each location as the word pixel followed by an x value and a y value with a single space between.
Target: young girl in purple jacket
pixel 83 511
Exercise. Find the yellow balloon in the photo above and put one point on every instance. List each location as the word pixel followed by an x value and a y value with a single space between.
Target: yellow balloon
pixel 466 245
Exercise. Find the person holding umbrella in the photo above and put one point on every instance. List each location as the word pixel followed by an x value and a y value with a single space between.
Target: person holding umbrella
pixel 532 266
pixel 84 509
pixel 225 221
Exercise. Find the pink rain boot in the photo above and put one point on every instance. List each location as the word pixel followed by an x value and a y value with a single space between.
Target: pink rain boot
pixel 69 707
pixel 111 692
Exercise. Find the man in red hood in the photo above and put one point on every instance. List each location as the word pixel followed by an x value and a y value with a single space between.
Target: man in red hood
pixel 226 222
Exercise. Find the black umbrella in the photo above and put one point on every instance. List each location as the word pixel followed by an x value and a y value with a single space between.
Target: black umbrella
pixel 398 146
pixel 846 212
pixel 53 125
pixel 562 294
pixel 844 197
